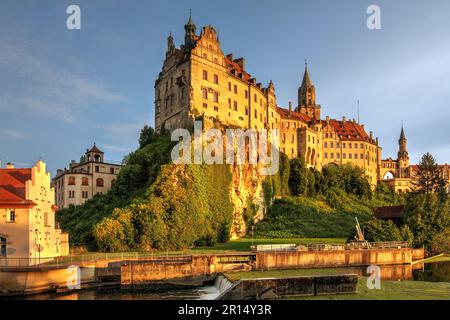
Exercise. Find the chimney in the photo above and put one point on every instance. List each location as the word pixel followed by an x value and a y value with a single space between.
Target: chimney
pixel 9 165
pixel 241 63
pixel 290 107
pixel 230 56
pixel 344 120
pixel 377 140
pixel 362 126
pixel 371 135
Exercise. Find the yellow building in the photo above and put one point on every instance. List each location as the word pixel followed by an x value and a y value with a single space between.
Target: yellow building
pixel 28 232
pixel 85 179
pixel 199 80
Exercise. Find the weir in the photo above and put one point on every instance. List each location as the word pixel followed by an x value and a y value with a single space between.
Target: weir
pixel 198 270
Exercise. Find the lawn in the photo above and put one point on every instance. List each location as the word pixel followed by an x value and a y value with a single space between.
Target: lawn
pixel 393 290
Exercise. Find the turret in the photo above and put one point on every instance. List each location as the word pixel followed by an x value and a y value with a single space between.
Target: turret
pixel 307 97
pixel 402 146
pixel 190 33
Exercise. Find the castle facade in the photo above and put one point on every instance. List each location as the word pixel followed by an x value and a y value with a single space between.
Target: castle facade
pixel 199 80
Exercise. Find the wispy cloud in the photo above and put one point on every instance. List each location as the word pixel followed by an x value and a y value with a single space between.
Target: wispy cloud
pixel 43 88
pixel 12 134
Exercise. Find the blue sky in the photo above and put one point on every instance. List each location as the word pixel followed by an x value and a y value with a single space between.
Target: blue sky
pixel 62 90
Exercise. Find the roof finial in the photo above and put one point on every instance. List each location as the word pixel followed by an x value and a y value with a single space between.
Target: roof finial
pixel 306 63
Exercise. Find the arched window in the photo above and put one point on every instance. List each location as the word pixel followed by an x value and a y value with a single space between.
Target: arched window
pixel 71 181
pixel 100 182
pixel 85 181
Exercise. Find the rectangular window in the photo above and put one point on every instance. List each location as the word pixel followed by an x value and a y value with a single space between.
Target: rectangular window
pixel 205 75
pixel 205 105
pixel 97 169
pixel 229 103
pixel 205 93
pixel 246 94
pixel 216 108
pixel 229 86
pixel 326 145
pixel 11 216
pixel 216 97
pixel 255 98
pixel 235 106
pixel 235 89
pixel 349 155
pixel 326 155
pixel 216 79
pixel 111 170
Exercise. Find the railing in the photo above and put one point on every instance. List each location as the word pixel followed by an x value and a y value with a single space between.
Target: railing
pixel 273 247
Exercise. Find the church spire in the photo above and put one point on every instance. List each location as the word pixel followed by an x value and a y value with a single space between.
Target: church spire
pixel 306 79
pixel 402 134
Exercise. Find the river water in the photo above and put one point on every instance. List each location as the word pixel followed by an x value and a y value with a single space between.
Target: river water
pixel 433 272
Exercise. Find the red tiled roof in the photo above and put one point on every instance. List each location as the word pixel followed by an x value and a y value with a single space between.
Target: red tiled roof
pixel 389 212
pixel 234 66
pixel 349 131
pixel 293 115
pixel 12 186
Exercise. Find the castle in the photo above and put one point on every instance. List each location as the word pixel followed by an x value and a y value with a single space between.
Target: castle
pixel 198 79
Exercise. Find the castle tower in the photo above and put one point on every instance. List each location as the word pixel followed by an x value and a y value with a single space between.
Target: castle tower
pixel 170 44
pixel 190 33
pixel 307 97
pixel 402 146
pixel 403 156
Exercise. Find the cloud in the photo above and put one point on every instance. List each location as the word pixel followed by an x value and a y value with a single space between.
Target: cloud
pixel 12 134
pixel 42 88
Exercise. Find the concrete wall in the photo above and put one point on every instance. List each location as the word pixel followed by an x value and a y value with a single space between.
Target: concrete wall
pixel 276 287
pixel 317 259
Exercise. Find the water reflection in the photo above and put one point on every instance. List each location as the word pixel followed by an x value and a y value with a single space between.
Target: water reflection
pixel 434 272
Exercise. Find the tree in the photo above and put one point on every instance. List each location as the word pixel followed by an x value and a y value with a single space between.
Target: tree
pixel 298 177
pixel 427 217
pixel 147 136
pixel 428 178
